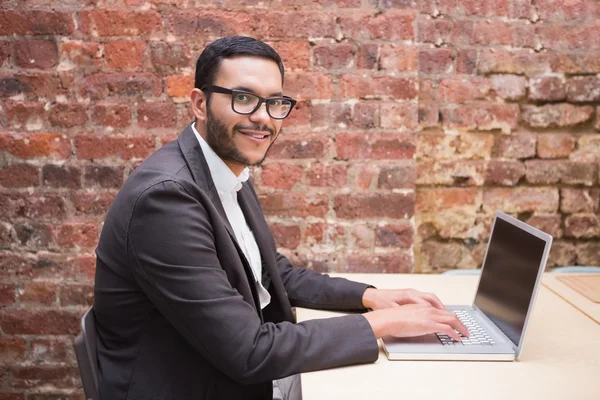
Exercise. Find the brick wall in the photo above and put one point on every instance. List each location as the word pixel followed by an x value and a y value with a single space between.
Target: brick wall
pixel 417 119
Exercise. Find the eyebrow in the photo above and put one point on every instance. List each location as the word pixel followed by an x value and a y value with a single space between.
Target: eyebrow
pixel 245 89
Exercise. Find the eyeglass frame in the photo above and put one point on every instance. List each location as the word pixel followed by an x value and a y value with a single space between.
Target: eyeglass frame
pixel 261 100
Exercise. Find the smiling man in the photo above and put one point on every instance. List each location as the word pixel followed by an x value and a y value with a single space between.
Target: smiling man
pixel 192 299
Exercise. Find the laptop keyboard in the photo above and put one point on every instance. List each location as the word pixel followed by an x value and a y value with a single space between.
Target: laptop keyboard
pixel 477 335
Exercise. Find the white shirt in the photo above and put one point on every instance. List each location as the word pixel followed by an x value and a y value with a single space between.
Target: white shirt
pixel 227 185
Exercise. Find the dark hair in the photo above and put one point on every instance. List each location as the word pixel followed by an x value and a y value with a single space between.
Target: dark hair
pixel 231 46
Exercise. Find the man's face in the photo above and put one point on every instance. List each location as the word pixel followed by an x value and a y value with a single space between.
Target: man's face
pixel 237 138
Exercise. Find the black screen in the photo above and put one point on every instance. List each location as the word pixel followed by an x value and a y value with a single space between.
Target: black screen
pixel 508 277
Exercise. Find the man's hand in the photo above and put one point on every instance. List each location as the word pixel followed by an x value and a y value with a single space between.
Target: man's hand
pixel 377 299
pixel 415 320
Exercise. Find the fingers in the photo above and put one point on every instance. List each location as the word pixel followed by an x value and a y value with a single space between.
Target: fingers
pixel 450 319
pixel 443 328
pixel 434 300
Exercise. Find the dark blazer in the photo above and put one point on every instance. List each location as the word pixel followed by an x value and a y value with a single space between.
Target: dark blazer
pixel 177 315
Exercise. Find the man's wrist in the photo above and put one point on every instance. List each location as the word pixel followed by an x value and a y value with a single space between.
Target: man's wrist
pixel 367 299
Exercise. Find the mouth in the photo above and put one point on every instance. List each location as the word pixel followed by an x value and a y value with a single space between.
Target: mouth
pixel 256 135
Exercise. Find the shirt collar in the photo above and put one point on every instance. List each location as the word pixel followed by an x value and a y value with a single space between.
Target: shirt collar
pixel 224 179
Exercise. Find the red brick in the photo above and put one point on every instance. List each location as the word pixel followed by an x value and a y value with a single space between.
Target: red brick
pixel 120 23
pixel 460 90
pixel 299 118
pixel 436 145
pixel 5 51
pixel 94 147
pixel 454 172
pixel 28 114
pixel 518 145
pixel 40 84
pixel 544 172
pixel 42 322
pixel 329 176
pixel 397 263
pixel 364 176
pixel 549 223
pixel 180 85
pixel 368 56
pixel 157 115
pixel 169 56
pixel 402 175
pixel 580 173
pixel 440 256
pixel 7 299
pixel 34 235
pixel 124 54
pixel 547 88
pixel 308 85
pixel 362 237
pixel 588 253
pixel 557 145
pixel 209 23
pixel 436 61
pixel 117 115
pixel 91 204
pixel 61 176
pixel 33 145
pixel 19 176
pixel 505 173
pixel 12 350
pixel 484 116
pixel 103 176
pixel 394 235
pixel 429 115
pixel 508 87
pixel 366 115
pixel 562 253
pixel 513 62
pixel 294 204
pixel 567 10
pixel 481 8
pixel 362 206
pixel 11 86
pixel 436 31
pixel 597 122
pixel 555 36
pixel 466 61
pixel 305 146
pixel 555 115
pixel 70 235
pixel 584 226
pixel 400 116
pixel 305 23
pixel 521 199
pixel 588 149
pixel 579 200
pixel 40 293
pixel 281 176
pixel 35 22
pixel 85 55
pixel 32 206
pixel 375 146
pixel 286 236
pixel 431 200
pixel 583 88
pixel 330 115
pixel 399 58
pixel 68 115
pixel 42 54
pixel 51 351
pixel 361 87
pixel 99 86
pixel 408 4
pixel 491 33
pixel 586 63
pixel 391 25
pixel 334 56
pixel 36 377
pixel 76 295
pixel 294 53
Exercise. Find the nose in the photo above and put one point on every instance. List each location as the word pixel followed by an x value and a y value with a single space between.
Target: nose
pixel 261 116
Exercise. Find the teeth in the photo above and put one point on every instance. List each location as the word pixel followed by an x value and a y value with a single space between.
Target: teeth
pixel 259 136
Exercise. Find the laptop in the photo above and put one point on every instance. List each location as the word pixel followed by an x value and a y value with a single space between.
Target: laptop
pixel 512 270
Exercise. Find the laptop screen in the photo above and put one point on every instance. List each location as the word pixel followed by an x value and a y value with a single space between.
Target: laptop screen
pixel 508 277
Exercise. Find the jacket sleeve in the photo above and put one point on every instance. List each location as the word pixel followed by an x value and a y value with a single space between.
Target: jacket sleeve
pixel 310 289
pixel 171 245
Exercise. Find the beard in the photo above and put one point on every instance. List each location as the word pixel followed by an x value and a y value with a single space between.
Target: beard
pixel 219 139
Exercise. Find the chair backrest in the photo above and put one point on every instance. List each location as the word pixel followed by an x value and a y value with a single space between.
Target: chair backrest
pixel 87 359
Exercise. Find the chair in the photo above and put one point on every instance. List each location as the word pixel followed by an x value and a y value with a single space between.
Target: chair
pixel 575 269
pixel 85 351
pixel 462 272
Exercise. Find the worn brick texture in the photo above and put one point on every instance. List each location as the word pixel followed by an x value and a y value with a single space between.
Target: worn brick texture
pixel 416 120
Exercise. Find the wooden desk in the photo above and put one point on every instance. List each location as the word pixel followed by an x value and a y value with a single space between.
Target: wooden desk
pixel 560 358
pixel 573 297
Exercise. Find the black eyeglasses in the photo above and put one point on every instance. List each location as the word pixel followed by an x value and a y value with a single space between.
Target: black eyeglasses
pixel 246 103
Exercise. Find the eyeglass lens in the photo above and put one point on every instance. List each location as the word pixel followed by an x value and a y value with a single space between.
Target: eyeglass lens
pixel 246 103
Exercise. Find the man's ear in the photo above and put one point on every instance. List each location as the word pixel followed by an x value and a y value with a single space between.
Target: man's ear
pixel 199 104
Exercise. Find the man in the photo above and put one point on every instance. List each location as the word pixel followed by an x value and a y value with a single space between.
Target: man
pixel 192 300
